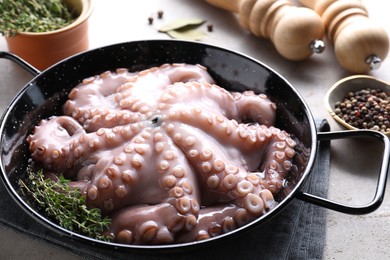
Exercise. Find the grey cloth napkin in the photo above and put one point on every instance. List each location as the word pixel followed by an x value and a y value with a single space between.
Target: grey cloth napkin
pixel 297 232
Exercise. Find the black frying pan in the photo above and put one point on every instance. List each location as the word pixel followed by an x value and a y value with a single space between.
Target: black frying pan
pixel 44 95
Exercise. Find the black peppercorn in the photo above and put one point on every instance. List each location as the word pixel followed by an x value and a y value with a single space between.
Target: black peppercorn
pixel 366 108
pixel 160 14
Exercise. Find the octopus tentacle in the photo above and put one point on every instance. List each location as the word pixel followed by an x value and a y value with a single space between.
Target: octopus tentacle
pixel 217 220
pixel 125 91
pixel 254 108
pixel 252 142
pixel 176 176
pixel 83 99
pixel 146 224
pixel 241 107
pixel 119 171
pixel 218 170
pixel 110 119
pixel 52 141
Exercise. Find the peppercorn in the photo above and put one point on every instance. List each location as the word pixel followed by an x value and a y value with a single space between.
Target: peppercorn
pixel 366 109
pixel 160 14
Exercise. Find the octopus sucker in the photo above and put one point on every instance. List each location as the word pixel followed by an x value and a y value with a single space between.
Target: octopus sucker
pixel 137 161
pixel 214 229
pixel 178 171
pixel 92 192
pixel 169 155
pixel 129 177
pixel 164 236
pixel 121 191
pixel 195 206
pixel 113 171
pixel 206 154
pixel 148 231
pixel 125 237
pixel 287 165
pixel 168 182
pixel 184 205
pixel 244 187
pixel 213 181
pixel 202 235
pixel 231 169
pixel 55 154
pixel 228 224
pixel 268 198
pixel 229 182
pixel 104 182
pixel 290 153
pixel 254 204
pixel 187 187
pixel 219 165
pixel 281 145
pixel 242 217
pixel 177 192
pixel 163 166
pixel 253 178
pixel 193 153
pixel 166 153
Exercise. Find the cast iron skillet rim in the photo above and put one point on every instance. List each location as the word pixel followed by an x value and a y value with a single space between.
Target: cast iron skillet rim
pixel 258 222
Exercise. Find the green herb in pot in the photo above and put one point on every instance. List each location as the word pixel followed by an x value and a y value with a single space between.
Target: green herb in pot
pixel 63 204
pixel 33 16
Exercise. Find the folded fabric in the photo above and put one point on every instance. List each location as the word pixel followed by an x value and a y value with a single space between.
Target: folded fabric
pixel 297 232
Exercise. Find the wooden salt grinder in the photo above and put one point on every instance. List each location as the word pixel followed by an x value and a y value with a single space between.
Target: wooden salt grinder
pixel 296 32
pixel 360 45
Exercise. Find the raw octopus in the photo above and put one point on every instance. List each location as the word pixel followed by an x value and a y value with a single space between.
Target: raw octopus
pixel 169 155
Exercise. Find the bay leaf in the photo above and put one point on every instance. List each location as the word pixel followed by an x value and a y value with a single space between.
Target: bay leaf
pixel 194 35
pixel 181 23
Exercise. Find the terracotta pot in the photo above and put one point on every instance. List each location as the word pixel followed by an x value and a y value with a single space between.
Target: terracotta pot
pixel 45 49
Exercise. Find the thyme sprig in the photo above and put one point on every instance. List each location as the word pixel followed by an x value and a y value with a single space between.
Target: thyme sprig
pixel 64 204
pixel 33 16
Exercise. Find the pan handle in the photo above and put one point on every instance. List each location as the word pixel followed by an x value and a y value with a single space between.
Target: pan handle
pixel 381 184
pixel 22 63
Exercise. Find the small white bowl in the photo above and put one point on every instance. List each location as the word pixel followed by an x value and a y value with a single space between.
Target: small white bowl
pixel 351 84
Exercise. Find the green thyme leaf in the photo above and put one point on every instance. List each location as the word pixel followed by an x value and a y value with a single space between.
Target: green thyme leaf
pixel 64 204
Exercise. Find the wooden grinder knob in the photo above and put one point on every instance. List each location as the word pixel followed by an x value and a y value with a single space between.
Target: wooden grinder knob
pixel 360 45
pixel 296 32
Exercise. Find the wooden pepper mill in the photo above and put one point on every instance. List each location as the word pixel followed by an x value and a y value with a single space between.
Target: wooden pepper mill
pixel 360 45
pixel 296 32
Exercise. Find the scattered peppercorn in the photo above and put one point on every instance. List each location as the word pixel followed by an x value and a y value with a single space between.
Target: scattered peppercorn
pixel 150 20
pixel 210 27
pixel 366 109
pixel 160 14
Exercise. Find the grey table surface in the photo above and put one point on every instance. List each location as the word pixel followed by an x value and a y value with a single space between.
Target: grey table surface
pixel 354 164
